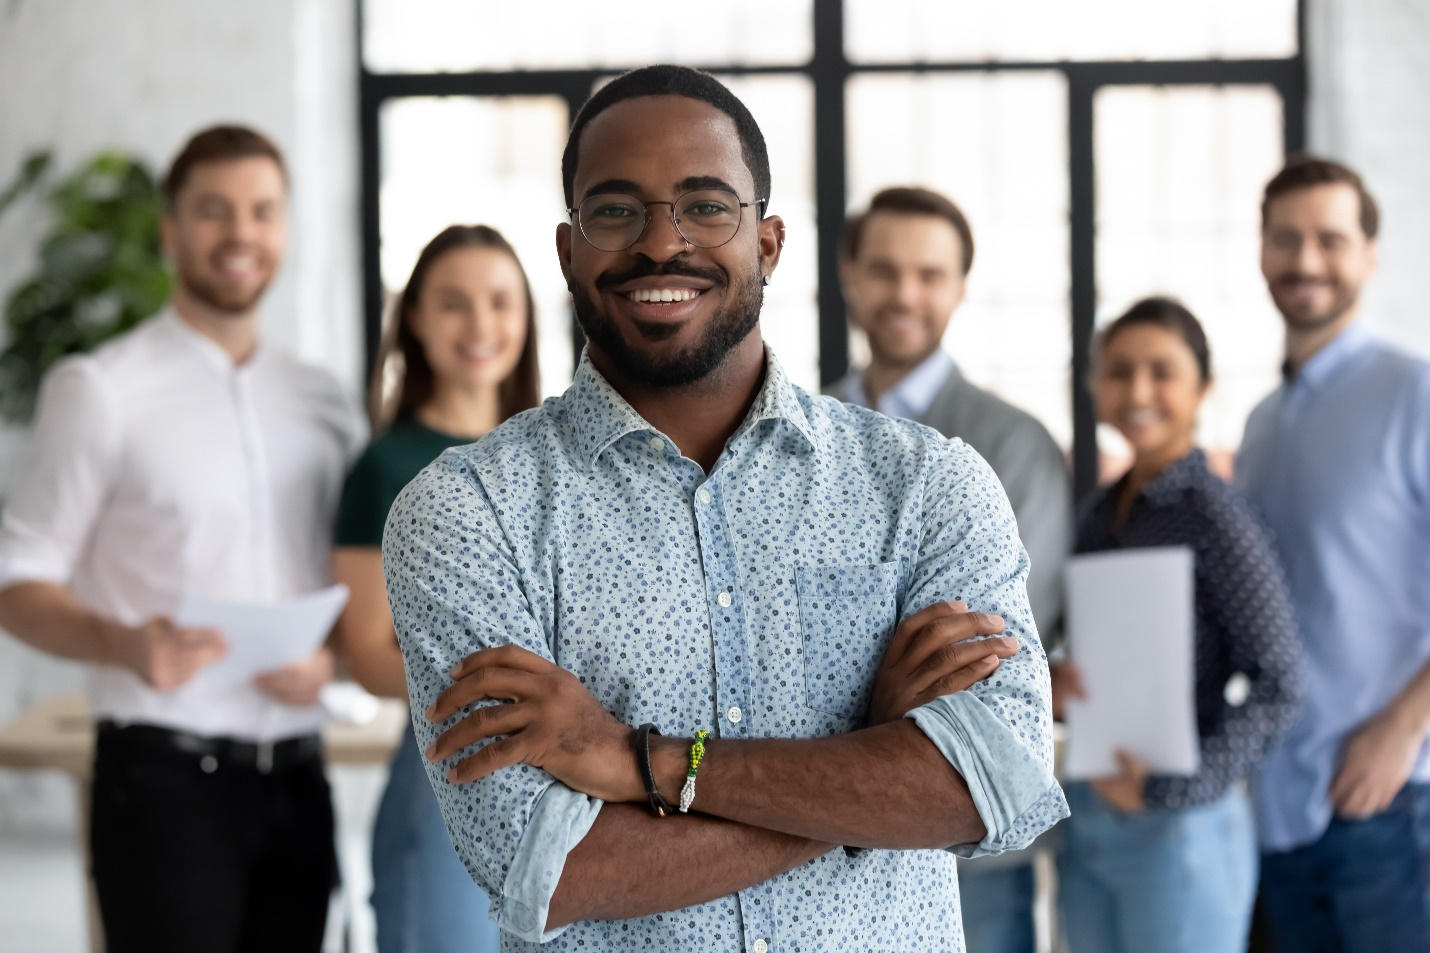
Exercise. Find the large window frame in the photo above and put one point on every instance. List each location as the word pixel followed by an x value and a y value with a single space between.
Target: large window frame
pixel 828 71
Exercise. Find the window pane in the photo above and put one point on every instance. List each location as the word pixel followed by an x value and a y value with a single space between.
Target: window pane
pixel 902 31
pixel 784 108
pixel 997 145
pixel 448 36
pixel 490 161
pixel 1179 177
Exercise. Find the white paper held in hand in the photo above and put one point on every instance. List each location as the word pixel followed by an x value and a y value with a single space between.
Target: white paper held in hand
pixel 1132 634
pixel 264 636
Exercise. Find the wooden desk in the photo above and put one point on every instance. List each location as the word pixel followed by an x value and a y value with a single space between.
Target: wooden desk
pixel 58 735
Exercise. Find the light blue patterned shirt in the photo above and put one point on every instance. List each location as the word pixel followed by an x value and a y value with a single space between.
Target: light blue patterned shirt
pixel 755 601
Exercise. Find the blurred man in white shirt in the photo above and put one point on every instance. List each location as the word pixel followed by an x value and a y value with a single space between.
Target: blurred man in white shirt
pixel 184 459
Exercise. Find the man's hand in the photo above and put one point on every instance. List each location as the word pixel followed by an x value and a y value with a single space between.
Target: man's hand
pixel 548 718
pixel 298 683
pixel 932 653
pixel 164 655
pixel 1375 765
pixel 1124 791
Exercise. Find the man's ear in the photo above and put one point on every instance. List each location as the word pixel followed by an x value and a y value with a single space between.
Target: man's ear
pixel 563 250
pixel 772 243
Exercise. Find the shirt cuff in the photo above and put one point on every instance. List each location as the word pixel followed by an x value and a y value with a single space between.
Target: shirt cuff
pixel 559 820
pixel 1013 790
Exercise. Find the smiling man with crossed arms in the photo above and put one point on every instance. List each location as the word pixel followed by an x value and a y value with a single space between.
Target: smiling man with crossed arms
pixel 685 538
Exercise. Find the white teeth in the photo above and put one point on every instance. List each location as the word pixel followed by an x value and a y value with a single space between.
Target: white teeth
pixel 663 294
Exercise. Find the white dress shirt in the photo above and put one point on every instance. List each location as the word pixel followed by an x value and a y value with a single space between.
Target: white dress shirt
pixel 159 470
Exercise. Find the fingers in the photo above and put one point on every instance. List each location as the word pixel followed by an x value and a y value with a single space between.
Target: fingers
pixel 479 724
pixel 198 639
pixel 481 684
pixel 502 753
pixel 910 627
pixel 953 656
pixel 503 656
pixel 951 630
pixel 960 680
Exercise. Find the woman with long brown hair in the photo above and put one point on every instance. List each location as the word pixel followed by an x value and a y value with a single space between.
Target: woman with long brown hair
pixel 459 358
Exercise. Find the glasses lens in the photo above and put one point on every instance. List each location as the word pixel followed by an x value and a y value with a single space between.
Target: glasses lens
pixel 611 222
pixel 708 218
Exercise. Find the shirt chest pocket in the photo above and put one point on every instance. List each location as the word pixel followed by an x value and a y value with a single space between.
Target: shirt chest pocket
pixel 847 614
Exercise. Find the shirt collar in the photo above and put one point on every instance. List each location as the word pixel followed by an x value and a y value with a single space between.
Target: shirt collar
pixel 1187 473
pixel 914 393
pixel 599 416
pixel 206 349
pixel 1329 359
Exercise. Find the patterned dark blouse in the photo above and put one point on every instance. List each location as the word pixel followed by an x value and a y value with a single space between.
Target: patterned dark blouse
pixel 1249 678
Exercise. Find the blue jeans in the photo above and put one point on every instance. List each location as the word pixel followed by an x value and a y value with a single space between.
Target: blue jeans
pixel 997 908
pixel 1164 881
pixel 1364 887
pixel 424 900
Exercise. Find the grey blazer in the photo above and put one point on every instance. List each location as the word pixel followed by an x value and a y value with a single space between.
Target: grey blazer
pixel 1034 475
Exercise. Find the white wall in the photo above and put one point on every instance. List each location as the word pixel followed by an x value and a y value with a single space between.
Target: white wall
pixel 1370 69
pixel 79 76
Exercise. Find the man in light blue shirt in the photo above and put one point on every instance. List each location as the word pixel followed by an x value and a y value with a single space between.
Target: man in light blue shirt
pixel 1338 460
pixel 686 539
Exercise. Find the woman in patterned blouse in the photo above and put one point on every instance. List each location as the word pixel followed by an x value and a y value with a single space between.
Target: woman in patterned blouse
pixel 1161 864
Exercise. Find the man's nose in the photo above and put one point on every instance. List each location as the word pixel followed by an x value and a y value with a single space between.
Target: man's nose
pixel 660 240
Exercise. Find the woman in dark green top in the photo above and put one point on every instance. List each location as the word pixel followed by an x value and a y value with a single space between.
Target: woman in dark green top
pixel 463 344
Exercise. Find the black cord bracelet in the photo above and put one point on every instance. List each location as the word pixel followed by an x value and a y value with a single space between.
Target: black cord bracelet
pixel 659 806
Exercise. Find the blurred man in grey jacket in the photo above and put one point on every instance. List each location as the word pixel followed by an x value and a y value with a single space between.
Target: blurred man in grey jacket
pixel 904 265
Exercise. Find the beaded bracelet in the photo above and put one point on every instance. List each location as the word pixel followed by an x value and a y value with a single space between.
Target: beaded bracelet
pixel 697 755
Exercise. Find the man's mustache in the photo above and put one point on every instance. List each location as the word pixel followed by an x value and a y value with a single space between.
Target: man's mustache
pixel 674 267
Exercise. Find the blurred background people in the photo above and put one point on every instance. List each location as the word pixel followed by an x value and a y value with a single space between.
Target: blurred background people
pixel 186 459
pixel 903 271
pixel 1154 864
pixel 463 343
pixel 1338 458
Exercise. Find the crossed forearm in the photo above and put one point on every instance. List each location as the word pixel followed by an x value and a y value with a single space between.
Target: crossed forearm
pixel 634 864
pixel 884 787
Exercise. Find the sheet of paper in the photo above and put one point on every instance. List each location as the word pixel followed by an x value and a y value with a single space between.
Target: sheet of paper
pixel 264 636
pixel 1131 633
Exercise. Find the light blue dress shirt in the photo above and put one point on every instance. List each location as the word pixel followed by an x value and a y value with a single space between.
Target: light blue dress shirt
pixel 756 602
pixel 1338 461
pixel 914 393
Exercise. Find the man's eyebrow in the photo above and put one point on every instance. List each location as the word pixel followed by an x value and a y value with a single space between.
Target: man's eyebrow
pixel 692 182
pixel 613 185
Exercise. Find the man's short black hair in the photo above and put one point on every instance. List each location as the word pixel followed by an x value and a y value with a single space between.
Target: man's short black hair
pixel 672 81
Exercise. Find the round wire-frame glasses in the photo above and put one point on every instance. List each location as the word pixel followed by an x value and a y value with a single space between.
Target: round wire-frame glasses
pixel 705 218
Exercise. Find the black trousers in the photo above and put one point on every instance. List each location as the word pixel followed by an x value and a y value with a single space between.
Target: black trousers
pixel 197 852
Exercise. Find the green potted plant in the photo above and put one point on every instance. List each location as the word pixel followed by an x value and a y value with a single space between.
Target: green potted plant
pixel 100 269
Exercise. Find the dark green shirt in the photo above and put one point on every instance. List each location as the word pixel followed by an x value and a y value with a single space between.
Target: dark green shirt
pixel 387 465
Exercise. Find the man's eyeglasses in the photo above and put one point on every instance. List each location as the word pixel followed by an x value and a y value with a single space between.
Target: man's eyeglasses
pixel 706 218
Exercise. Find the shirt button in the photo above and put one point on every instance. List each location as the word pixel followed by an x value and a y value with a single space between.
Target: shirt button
pixel 761 946
pixel 657 444
pixel 703 495
pixel 208 764
pixel 724 600
pixel 734 714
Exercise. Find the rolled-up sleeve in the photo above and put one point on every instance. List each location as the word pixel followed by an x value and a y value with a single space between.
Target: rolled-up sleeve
pixel 454 588
pixel 998 734
pixel 52 506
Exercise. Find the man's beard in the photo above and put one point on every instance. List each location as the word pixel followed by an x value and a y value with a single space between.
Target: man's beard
pixel 1343 299
pixel 214 295
pixel 730 325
